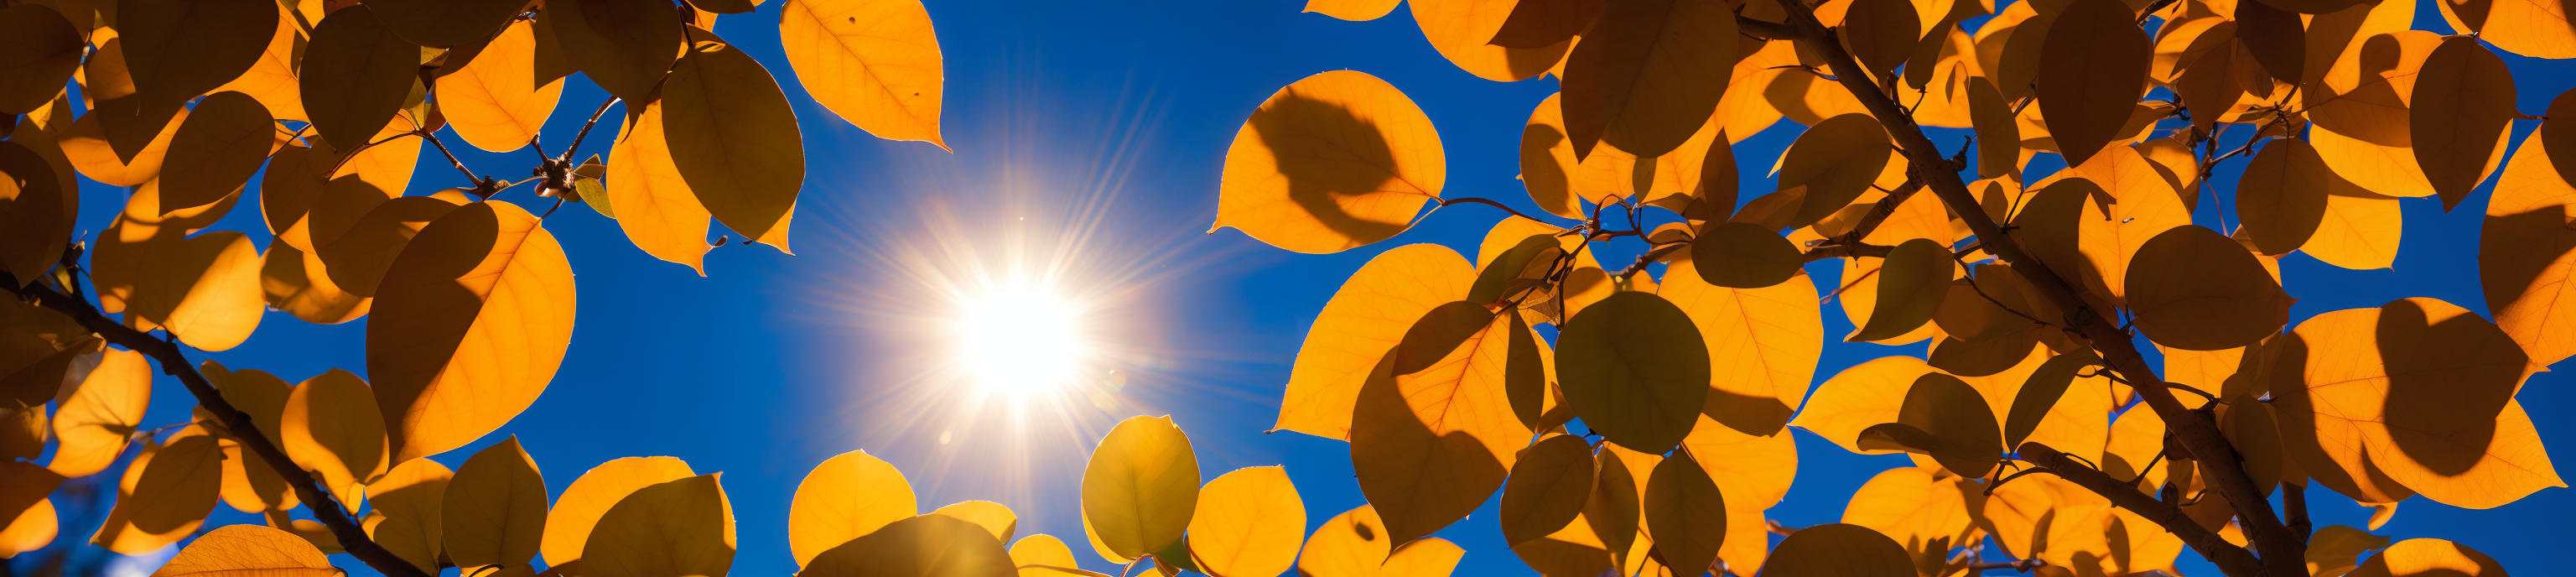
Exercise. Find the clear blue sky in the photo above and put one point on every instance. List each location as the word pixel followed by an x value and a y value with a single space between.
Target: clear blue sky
pixel 1097 130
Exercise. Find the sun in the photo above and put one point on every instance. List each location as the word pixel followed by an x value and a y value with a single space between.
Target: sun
pixel 1019 340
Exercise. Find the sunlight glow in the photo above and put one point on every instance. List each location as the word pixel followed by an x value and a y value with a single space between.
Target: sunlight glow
pixel 1020 340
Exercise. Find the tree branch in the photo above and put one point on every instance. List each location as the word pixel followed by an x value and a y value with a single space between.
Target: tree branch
pixel 2229 558
pixel 2197 432
pixel 175 362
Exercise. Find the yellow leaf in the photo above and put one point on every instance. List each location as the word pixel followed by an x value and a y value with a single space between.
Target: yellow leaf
pixel 733 138
pixel 330 427
pixel 1763 345
pixel 1999 138
pixel 876 63
pixel 1833 162
pixel 46 49
pixel 357 261
pixel 355 76
pixel 923 546
pixel 1685 513
pixel 27 520
pixel 2360 109
pixel 578 510
pixel 496 101
pixel 95 420
pixel 2537 29
pixel 2135 441
pixel 1549 483
pixel 1745 255
pixel 1249 523
pixel 178 49
pixel 623 45
pixel 1946 419
pixel 1429 446
pixel 1042 549
pixel 2525 250
pixel 2460 116
pixel 656 208
pixel 225 139
pixel 404 511
pixel 1918 507
pixel 250 484
pixel 1614 506
pixel 1368 316
pixel 1461 30
pixel 165 495
pixel 298 283
pixel 2429 558
pixel 1354 10
pixel 1570 552
pixel 312 532
pixel 1838 550
pixel 2111 234
pixel 1352 544
pixel 2045 517
pixel 496 513
pixel 1140 488
pixel 677 528
pixel 1753 471
pixel 2418 389
pixel 470 324
pixel 1649 75
pixel 205 290
pixel 31 530
pixel 2089 74
pixel 272 79
pixel 2078 423
pixel 846 496
pixel 993 517
pixel 248 549
pixel 1333 161
pixel 2336 550
pixel 2284 199
pixel 1636 370
pixel 1425 557
pixel 86 143
pixel 1866 394
pixel 2192 288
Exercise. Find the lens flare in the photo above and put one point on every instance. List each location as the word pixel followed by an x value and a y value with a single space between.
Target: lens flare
pixel 1020 340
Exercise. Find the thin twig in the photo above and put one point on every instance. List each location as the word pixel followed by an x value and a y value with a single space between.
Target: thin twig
pixel 578 137
pixel 2229 558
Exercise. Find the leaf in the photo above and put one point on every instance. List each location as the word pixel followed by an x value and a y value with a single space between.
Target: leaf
pixel 1532 24
pixel 205 290
pixel 2336 549
pixel 1763 345
pixel 876 63
pixel 1353 10
pixel 328 428
pixel 35 206
pixel 1549 484
pixel 95 420
pixel 1754 471
pixel 1429 447
pixel 1440 332
pixel 1948 421
pixel 299 283
pixel 1502 269
pixel 1367 316
pixel 1425 557
pixel 993 517
pixel 663 216
pixel 2192 288
pixel 2089 72
pixel 1998 136
pixel 1333 161
pixel 224 140
pixel 1833 162
pixel 250 484
pixel 359 259
pixel 2428 558
pixel 2362 123
pixel 2418 390
pixel 443 24
pixel 682 527
pixel 1141 486
pixel 165 495
pixel 734 139
pixel 2276 38
pixel 1685 514
pixel 2464 102
pixel 178 49
pixel 1614 506
pixel 356 76
pixel 1635 369
pixel 495 513
pixel 1042 549
pixel 1881 33
pixel 1924 509
pixel 579 509
pixel 1529 375
pixel 1573 550
pixel 2525 250
pixel 1249 523
pixel 404 511
pixel 1461 29
pixel 46 49
pixel 248 549
pixel 2039 396
pixel 497 102
pixel 845 497
pixel 923 546
pixel 33 529
pixel 1837 549
pixel 1745 255
pixel 1648 74
pixel 1911 284
pixel 2525 29
pixel 2284 196
pixel 2047 517
pixel 1352 544
pixel 1866 394
pixel 623 45
pixel 89 145
pixel 449 375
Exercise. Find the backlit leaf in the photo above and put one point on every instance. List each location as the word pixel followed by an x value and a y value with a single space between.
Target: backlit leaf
pixel 438 24
pixel 1429 447
pixel 178 49
pixel 1044 550
pixel 1461 30
pixel 356 77
pixel 923 546
pixel 1744 255
pixel 299 283
pixel 1648 75
pixel 1549 483
pixel 404 511
pixel 494 512
pixel 623 45
pixel 1352 544
pixel 248 549
pixel 1635 368
pixel 1763 345
pixel 1425 557
pixel 1839 550
pixel 677 528
pixel 329 428
pixel 1685 514
pixel 1368 316
pixel 2428 558
pixel 2459 116
pixel 1355 10
pixel 1833 162
pixel 2336 550
pixel 204 289
pixel 96 419
pixel 876 63
pixel 733 138
pixel 2417 389
pixel 2089 72
pixel 2526 252
pixel 1249 524
pixel 496 101
pixel 846 496
pixel 45 50
pixel 1333 161
pixel 994 517
pixel 165 495
pixel 2192 288
pixel 1866 394
pixel 36 208
pixel 1911 284
pixel 578 510
pixel 1141 486
pixel 470 324
pixel 358 260
pixel 225 139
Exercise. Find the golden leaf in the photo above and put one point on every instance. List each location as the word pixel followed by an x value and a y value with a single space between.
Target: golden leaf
pixel 1352 544
pixel 404 511
pixel 1042 549
pixel 357 261
pixel 1635 369
pixel 470 324
pixel 993 517
pixel 733 138
pixel 1249 523
pixel 298 283
pixel 1648 75
pixel 178 49
pixel 496 510
pixel 329 427
pixel 578 510
pixel 924 546
pixel 1839 550
pixel 1333 161
pixel 1763 345
pixel 2192 288
pixel 2417 389
pixel 2088 76
pixel 1461 30
pixel 677 528
pixel 2526 251
pixel 1833 162
pixel 2460 116
pixel 496 101
pixel 1685 513
pixel 1369 315
pixel 248 549
pixel 623 45
pixel 1549 484
pixel 356 76
pixel 658 211
pixel 1140 488
pixel 94 422
pixel 845 497
pixel 165 495
pixel 876 63
pixel 2428 558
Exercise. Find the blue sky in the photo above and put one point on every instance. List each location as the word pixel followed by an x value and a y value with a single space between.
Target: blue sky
pixel 1095 131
